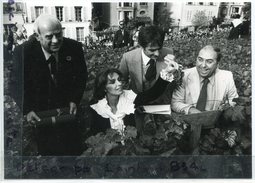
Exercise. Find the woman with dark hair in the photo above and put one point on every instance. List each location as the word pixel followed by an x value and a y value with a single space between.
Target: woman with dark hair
pixel 114 107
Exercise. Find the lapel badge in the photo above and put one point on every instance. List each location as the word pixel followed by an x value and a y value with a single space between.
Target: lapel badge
pixel 68 58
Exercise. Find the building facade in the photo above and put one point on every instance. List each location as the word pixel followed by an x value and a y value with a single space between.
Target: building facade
pixel 13 14
pixel 229 10
pixel 183 12
pixel 75 16
pixel 112 13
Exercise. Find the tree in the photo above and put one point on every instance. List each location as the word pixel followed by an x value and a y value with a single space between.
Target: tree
pixel 162 17
pixel 200 19
pixel 247 10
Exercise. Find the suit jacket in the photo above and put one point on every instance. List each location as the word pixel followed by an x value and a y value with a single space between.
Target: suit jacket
pixel 131 67
pixel 40 92
pixel 121 40
pixel 188 94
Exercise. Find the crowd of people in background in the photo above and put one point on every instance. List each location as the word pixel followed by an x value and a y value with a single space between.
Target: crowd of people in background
pixel 125 36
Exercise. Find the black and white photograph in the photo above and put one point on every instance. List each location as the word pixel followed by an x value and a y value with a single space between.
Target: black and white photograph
pixel 127 90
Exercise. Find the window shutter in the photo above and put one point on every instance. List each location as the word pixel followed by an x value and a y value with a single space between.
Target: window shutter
pixel 32 14
pixel 46 9
pixel 66 16
pixel 84 14
pixel 53 11
pixel 73 13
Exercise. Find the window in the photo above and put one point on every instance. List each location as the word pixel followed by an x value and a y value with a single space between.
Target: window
pixel 143 4
pixel 189 3
pixel 127 15
pixel 19 7
pixel 201 3
pixel 119 15
pixel 78 13
pixel 189 13
pixel 38 11
pixel 127 4
pixel 119 4
pixel 80 33
pixel 211 3
pixel 209 15
pixel 59 12
pixel 235 10
pixel 142 12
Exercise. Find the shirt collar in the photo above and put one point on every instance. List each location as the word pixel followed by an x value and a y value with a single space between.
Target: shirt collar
pixel 211 79
pixel 145 58
pixel 125 106
pixel 47 54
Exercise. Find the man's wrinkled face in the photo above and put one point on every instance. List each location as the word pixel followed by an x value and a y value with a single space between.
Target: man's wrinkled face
pixel 206 63
pixel 152 51
pixel 51 38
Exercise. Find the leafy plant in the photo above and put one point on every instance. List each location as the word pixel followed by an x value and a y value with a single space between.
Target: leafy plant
pixel 200 19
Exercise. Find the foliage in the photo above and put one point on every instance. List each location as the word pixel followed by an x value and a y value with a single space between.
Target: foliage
pixel 160 137
pixel 163 19
pixel 160 134
pixel 247 10
pixel 200 19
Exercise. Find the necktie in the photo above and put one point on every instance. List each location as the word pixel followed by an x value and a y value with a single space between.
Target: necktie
pixel 201 102
pixel 151 71
pixel 53 65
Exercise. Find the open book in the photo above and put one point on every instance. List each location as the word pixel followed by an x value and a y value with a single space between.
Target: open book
pixel 157 109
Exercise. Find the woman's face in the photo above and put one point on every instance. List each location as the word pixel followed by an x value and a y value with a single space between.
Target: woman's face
pixel 114 84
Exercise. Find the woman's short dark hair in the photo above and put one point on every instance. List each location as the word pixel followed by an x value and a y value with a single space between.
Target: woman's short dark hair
pixel 151 34
pixel 100 83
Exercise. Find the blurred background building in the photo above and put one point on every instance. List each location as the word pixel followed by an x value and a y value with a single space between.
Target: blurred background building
pixel 80 18
pixel 75 16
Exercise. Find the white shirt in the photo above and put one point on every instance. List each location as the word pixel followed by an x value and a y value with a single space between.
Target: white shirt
pixel 236 22
pixel 145 58
pixel 125 107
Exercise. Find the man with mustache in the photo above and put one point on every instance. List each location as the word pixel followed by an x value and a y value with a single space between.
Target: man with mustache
pixel 55 76
pixel 205 87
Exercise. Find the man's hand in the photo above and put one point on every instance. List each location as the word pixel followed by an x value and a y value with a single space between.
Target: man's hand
pixel 32 117
pixel 73 108
pixel 193 110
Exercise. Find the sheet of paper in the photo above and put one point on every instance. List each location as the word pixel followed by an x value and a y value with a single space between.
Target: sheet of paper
pixel 157 109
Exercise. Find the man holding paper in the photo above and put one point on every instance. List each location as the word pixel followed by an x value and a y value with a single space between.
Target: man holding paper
pixel 205 87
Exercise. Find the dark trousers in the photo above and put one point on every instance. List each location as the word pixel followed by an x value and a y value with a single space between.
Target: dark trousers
pixel 59 140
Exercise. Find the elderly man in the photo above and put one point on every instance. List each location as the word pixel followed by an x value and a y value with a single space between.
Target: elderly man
pixel 55 76
pixel 205 87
